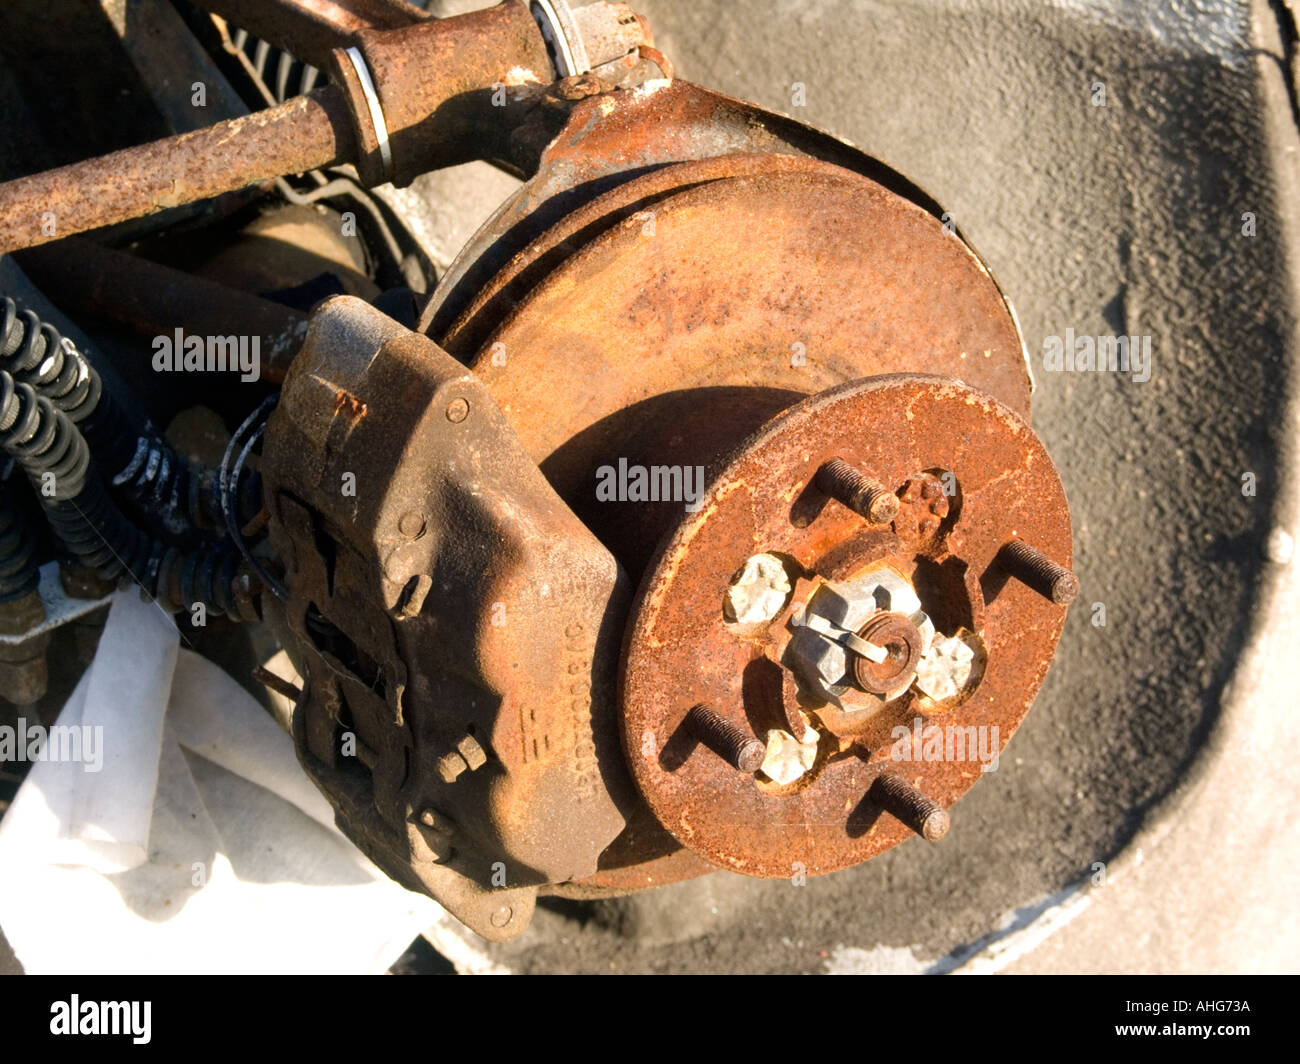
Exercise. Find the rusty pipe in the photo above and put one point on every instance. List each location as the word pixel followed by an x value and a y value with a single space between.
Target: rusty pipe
pixel 305 133
pixel 150 299
pixel 445 92
pixel 402 102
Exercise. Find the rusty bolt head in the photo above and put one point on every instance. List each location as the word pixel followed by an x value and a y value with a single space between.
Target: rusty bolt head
pixel 882 507
pixel 450 766
pixel 411 524
pixel 935 825
pixel 924 506
pixel 437 831
pixel 457 411
pixel 472 752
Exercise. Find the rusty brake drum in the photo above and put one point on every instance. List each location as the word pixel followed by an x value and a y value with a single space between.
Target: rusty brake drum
pixel 708 491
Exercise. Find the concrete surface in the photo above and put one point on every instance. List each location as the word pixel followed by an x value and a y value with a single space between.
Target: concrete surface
pixel 1116 219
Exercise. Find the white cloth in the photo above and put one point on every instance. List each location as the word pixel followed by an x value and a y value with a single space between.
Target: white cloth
pixel 198 846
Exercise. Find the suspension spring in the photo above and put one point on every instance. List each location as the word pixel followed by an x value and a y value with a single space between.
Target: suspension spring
pixel 19 575
pixel 182 498
pixel 54 455
pixel 35 353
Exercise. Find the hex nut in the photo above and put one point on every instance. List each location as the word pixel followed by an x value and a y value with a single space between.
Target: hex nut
pixel 472 752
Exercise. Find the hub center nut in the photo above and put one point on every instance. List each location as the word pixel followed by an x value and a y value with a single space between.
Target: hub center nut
pixel 903 643
pixel 835 659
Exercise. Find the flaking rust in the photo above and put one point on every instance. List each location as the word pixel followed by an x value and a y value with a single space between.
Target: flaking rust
pixel 517 679
pixel 658 325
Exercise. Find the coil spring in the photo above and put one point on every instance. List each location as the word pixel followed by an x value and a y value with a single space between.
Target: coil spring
pixel 183 496
pixel 49 447
pixel 291 78
pixel 89 526
pixel 100 538
pixel 35 353
pixel 217 578
pixel 96 532
pixel 19 575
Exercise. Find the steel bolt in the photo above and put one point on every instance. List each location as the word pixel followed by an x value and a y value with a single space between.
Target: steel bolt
pixel 1036 570
pixel 468 756
pixel 738 748
pixel 436 831
pixel 24 682
pixel 857 491
pixel 903 801
pixel 457 410
pixel 24 675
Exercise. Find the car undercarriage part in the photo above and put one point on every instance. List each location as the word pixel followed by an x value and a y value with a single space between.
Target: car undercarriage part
pixel 702 488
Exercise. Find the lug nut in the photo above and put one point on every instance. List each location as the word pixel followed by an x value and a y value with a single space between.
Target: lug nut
pixel 1036 570
pixel 857 491
pixel 740 749
pixel 903 801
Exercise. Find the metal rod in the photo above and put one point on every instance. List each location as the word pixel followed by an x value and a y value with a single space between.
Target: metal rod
pixel 151 299
pixel 305 133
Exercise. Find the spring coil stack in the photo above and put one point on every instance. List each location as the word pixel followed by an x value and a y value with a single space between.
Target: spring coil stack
pixel 47 386
pixel 19 576
pixel 35 353
pixel 292 77
pixel 185 500
pixel 163 488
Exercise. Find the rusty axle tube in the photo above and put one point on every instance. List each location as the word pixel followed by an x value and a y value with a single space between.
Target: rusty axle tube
pixel 305 133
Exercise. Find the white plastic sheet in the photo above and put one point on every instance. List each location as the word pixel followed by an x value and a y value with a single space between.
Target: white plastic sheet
pixel 198 846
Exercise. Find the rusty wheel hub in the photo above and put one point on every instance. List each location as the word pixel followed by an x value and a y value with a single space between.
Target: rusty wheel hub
pixel 967 649
pixel 792 407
